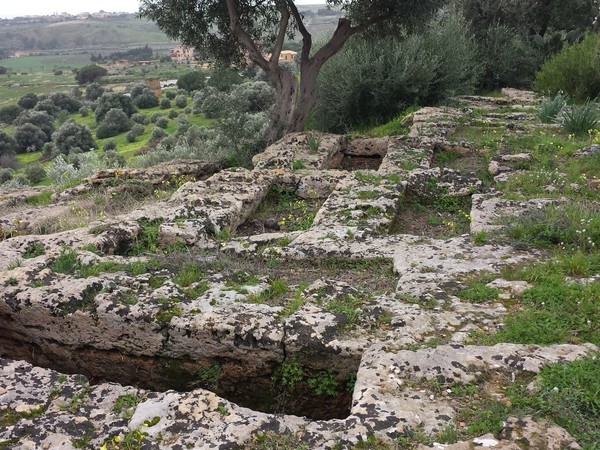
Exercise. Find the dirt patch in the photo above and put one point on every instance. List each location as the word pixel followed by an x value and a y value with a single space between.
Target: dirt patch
pixel 281 210
pixel 440 218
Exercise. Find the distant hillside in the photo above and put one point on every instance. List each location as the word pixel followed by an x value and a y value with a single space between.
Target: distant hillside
pixel 95 34
pixel 124 31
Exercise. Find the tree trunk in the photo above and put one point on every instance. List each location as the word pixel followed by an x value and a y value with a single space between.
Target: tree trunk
pixel 286 87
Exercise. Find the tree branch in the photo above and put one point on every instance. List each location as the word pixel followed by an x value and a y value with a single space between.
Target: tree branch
pixel 306 36
pixel 244 38
pixel 283 24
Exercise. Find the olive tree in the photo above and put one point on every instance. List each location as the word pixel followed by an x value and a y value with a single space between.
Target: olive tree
pixel 236 30
pixel 71 135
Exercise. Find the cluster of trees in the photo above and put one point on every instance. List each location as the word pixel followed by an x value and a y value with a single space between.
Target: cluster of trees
pixel 144 53
pixel 515 36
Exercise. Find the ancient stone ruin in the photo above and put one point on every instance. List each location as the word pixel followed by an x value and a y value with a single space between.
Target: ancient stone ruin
pixel 209 318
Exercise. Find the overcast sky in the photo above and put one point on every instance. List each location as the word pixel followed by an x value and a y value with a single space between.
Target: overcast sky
pixel 11 8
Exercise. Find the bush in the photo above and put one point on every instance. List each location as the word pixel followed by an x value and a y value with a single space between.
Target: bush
pixel 72 135
pixel 136 130
pixel 154 117
pixel 191 81
pixel 187 110
pixel 575 70
pixel 29 137
pixel 146 99
pixel 6 175
pixel 253 97
pixel 110 101
pixel 113 159
pixel 157 134
pixel 94 91
pixel 62 172
pixel 65 101
pixel 372 81
pixel 40 119
pixel 84 111
pixel 170 94
pixel 181 101
pixel 35 173
pixel 89 74
pixel 110 145
pixel 216 105
pixel 28 101
pixel 9 113
pixel 140 118
pixel 115 122
pixel 162 122
pixel 172 114
pixel 165 103
pixel 48 106
pixel 507 59
pixel 223 79
pixel 8 146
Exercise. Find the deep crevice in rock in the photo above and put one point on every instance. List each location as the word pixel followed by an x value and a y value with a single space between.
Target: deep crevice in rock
pixel 319 394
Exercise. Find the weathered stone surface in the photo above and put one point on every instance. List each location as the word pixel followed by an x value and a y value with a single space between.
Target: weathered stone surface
pixel 226 332
pixel 487 211
pixel 297 147
pixel 518 433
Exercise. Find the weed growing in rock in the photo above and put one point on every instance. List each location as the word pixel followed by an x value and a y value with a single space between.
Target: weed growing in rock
pixel 324 383
pixel 168 310
pixel 478 293
pixel 125 405
pixel 42 199
pixel 147 238
pixel 66 262
pixel 34 249
pixel 290 374
pixel 274 293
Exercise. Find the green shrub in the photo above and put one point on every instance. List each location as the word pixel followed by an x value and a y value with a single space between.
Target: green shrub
pixel 575 70
pixel 165 103
pixel 162 122
pixel 551 107
pixel 72 135
pixel 372 80
pixel 35 173
pixel 9 113
pixel 579 119
pixel 181 101
pixel 507 59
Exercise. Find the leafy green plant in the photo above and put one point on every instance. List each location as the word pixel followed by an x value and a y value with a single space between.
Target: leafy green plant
pixel 290 374
pixel 298 164
pixel 147 238
pixel 324 383
pixel 188 274
pixel 209 375
pixel 551 107
pixel 125 405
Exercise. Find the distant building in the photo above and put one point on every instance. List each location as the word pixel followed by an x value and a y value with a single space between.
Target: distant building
pixel 183 54
pixel 285 55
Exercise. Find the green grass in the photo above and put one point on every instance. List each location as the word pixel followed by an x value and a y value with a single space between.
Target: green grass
pixel 573 226
pixel 478 293
pixel 568 395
